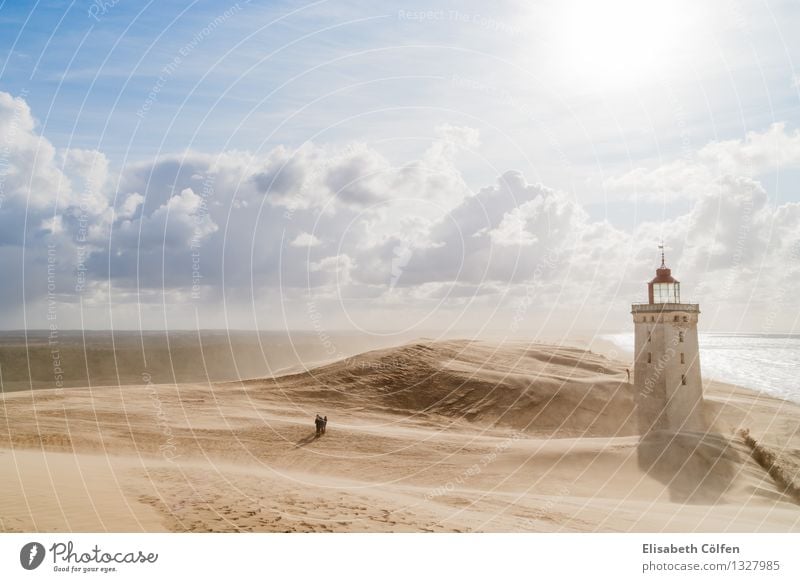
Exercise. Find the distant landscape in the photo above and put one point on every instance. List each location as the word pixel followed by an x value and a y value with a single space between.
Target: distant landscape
pixel 104 358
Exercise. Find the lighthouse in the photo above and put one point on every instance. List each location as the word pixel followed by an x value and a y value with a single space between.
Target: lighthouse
pixel 669 388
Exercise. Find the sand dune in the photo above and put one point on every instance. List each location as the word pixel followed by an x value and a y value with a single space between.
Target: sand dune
pixel 558 390
pixel 430 436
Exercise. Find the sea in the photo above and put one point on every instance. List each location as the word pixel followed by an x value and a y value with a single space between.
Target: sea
pixel 768 362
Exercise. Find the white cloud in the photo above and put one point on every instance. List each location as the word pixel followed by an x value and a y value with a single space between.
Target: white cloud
pixel 754 155
pixel 30 173
pixel 757 153
pixel 335 270
pixel 512 230
pixel 178 224
pixel 305 239
pixel 451 139
pixel 52 225
pixel 130 206
pixel 393 234
pixel 87 171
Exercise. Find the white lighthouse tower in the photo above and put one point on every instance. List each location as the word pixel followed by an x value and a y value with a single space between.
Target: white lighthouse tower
pixel 669 388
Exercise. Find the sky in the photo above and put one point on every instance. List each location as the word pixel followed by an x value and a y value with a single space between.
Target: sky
pixel 385 167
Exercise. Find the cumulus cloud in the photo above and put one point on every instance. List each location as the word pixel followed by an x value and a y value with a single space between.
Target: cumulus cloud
pixel 29 172
pixel 497 233
pixel 130 205
pixel 330 270
pixel 757 153
pixel 512 230
pixel 343 223
pixel 305 239
pixel 751 156
pixel 178 223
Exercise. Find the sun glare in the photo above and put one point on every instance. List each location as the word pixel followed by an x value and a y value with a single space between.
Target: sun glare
pixel 618 43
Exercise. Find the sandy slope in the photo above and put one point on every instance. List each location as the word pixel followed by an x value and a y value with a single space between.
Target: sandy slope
pixel 444 436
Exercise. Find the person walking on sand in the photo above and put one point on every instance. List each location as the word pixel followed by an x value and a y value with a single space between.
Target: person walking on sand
pixel 318 424
pixel 628 372
pixel 324 424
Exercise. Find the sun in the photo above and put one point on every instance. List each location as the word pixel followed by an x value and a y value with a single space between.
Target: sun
pixel 619 43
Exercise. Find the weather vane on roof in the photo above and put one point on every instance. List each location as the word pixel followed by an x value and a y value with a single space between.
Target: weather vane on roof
pixel 661 246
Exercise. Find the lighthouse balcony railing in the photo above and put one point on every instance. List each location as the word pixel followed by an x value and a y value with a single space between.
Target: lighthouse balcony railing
pixel 658 307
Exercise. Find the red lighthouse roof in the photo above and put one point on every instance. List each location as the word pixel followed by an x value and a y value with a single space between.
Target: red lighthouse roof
pixel 663 274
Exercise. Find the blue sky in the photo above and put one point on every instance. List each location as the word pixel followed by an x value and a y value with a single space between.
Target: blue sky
pixel 630 112
pixel 88 76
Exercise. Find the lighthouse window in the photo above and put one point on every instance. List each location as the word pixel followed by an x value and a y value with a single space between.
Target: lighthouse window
pixel 649 358
pixel 666 293
pixel 683 379
pixel 685 318
pixel 652 318
pixel 682 360
pixel 680 336
pixel 675 318
pixel 649 335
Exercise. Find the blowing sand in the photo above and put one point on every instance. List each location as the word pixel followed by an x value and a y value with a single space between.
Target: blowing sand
pixel 431 436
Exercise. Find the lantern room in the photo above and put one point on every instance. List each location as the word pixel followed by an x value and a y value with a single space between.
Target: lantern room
pixel 664 288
